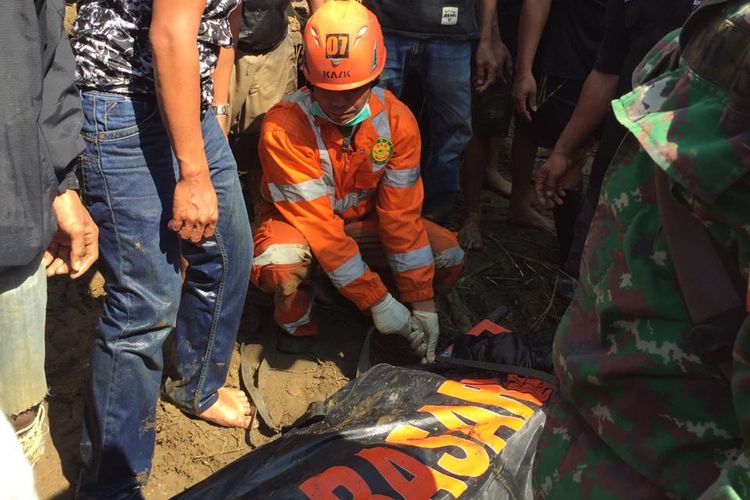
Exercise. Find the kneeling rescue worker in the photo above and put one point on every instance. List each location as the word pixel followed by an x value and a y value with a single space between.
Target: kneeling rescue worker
pixel 341 186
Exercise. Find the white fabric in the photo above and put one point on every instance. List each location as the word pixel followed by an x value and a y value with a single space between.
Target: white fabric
pixel 16 475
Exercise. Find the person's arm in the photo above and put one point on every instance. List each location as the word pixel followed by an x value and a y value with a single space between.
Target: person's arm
pixel 173 35
pixel 594 102
pixel 486 61
pixel 399 207
pixel 74 247
pixel 293 181
pixel 534 14
pixel 592 106
pixel 502 54
pixel 223 73
pixel 600 86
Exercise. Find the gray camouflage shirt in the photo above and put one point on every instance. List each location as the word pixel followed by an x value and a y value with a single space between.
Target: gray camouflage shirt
pixel 113 53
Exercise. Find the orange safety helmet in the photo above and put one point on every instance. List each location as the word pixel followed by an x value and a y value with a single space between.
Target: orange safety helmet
pixel 344 46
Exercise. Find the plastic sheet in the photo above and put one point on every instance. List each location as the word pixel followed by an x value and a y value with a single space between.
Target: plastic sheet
pixel 398 433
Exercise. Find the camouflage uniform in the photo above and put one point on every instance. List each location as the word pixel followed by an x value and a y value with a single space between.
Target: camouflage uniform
pixel 639 415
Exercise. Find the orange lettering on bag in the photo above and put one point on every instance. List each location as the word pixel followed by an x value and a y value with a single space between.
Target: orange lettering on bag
pixel 323 486
pixel 485 427
pixel 474 463
pixel 425 481
pixel 491 385
pixel 491 395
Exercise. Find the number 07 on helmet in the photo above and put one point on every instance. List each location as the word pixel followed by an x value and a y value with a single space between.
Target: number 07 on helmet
pixel 344 46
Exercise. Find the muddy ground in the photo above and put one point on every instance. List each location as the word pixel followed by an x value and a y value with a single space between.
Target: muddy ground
pixel 515 268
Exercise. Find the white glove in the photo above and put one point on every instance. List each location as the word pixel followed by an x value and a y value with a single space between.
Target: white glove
pixel 427 322
pixel 391 316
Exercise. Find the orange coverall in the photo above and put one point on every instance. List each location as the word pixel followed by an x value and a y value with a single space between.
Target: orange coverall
pixel 344 201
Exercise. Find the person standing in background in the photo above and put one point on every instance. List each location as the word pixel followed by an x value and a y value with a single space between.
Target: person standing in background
pixel 435 43
pixel 491 114
pixel 557 47
pixel 633 28
pixel 265 71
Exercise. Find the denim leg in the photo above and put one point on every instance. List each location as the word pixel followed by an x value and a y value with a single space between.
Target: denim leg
pixel 445 73
pixel 23 297
pixel 215 287
pixel 398 50
pixel 129 178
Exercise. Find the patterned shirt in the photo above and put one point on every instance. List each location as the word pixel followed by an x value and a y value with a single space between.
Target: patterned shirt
pixel 113 52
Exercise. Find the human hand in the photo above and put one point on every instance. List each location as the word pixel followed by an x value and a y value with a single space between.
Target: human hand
pixel 524 95
pixel 195 208
pixel 504 60
pixel 392 317
pixel 75 246
pixel 547 180
pixel 486 66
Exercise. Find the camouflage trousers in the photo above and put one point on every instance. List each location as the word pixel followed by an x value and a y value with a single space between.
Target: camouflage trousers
pixel 573 462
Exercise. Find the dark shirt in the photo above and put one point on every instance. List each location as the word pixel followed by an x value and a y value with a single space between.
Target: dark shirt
pixel 574 31
pixel 508 17
pixel 264 25
pixel 113 52
pixel 426 19
pixel 40 119
pixel 632 28
pixel 509 7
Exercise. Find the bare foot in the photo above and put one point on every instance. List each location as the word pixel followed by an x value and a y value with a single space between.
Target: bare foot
pixel 232 409
pixel 526 215
pixel 469 235
pixel 497 183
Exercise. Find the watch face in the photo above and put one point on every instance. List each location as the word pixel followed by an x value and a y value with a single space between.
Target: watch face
pixel 221 109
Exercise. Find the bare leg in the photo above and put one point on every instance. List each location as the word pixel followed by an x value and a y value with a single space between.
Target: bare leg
pixel 472 178
pixel 493 180
pixel 523 154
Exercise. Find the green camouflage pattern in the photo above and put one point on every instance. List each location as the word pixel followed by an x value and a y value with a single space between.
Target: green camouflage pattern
pixel 639 415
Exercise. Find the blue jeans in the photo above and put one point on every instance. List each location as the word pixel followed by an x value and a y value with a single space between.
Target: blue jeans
pixel 443 68
pixel 23 300
pixel 129 173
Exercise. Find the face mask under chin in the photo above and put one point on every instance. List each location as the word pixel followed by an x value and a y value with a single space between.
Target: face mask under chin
pixel 363 115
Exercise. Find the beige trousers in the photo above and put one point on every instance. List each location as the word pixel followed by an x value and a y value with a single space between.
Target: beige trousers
pixel 259 82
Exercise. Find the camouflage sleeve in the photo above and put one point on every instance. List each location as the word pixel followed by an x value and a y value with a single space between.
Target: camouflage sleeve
pixel 734 481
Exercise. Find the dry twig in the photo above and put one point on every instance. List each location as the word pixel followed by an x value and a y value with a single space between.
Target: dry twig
pixel 546 311
pixel 204 457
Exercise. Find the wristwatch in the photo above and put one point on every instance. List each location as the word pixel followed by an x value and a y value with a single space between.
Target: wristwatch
pixel 221 109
